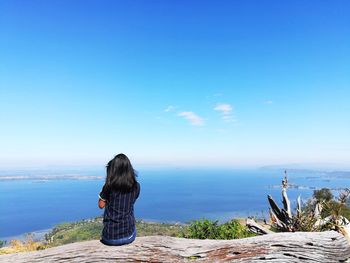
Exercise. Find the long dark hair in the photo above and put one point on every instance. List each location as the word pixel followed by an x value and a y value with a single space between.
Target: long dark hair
pixel 121 176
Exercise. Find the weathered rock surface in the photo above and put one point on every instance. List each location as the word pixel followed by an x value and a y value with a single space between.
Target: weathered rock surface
pixel 280 247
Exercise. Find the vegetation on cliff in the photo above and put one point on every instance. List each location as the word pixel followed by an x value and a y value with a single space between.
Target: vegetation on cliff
pixel 26 245
pixel 321 213
pixel 91 229
pixel 84 230
pixel 199 229
pixel 207 229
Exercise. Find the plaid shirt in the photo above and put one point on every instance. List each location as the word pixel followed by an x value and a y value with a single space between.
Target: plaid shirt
pixel 118 217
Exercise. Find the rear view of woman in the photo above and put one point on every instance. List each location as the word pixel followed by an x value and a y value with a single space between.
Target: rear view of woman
pixel 118 197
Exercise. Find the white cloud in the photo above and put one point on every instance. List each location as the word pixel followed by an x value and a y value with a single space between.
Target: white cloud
pixel 226 112
pixel 224 108
pixel 169 108
pixel 193 118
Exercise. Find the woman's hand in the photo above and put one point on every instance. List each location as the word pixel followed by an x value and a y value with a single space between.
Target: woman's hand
pixel 101 203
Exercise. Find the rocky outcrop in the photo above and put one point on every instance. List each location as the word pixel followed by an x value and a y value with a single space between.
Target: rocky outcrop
pixel 322 247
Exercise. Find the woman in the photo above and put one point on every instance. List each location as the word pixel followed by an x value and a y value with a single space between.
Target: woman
pixel 118 196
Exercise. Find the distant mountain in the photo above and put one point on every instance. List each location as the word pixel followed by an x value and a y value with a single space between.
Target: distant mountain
pixel 314 167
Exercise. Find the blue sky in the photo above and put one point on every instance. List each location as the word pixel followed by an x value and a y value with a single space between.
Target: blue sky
pixel 184 83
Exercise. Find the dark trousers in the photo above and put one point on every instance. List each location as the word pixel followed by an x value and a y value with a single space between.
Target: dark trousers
pixel 120 241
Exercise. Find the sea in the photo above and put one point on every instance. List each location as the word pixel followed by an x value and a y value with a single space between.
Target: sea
pixel 34 201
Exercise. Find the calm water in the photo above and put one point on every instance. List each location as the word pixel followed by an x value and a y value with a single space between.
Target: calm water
pixel 172 196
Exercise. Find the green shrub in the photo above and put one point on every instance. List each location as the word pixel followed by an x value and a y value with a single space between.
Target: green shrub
pixel 202 229
pixel 335 208
pixel 331 206
pixel 323 194
pixel 207 229
pixel 233 230
pixel 2 243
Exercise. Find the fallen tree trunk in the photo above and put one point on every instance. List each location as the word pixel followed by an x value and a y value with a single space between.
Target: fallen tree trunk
pixel 322 247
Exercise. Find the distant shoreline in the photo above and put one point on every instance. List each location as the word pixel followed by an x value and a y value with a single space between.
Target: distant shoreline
pixel 325 175
pixel 38 235
pixel 49 177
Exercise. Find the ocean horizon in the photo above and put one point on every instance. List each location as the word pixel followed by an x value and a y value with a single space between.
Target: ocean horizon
pixel 36 201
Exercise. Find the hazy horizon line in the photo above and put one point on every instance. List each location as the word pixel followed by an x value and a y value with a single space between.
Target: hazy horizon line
pixel 138 166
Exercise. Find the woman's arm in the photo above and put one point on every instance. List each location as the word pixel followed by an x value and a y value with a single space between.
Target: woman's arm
pixel 103 197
